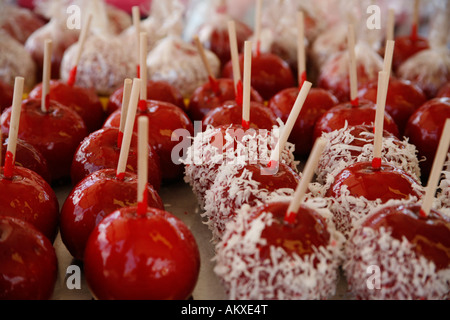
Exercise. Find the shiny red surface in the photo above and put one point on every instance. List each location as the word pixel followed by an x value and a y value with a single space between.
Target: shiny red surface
pixel 316 104
pixel 230 112
pixel 150 257
pixel 403 98
pixel 94 198
pixel 362 180
pixel 83 100
pixel 28 197
pixel 270 74
pixel 56 134
pixel 364 113
pixel 29 266
pixel 164 119
pixel 100 151
pixel 424 129
pixel 29 157
pixel 444 91
pixel 430 236
pixel 6 95
pixel 219 42
pixel 308 231
pixel 406 47
pixel 205 99
pixel 156 90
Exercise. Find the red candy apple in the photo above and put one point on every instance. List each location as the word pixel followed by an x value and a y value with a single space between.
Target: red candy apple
pixel 99 151
pixel 149 256
pixel 83 100
pixel 29 266
pixel 92 199
pixel 26 195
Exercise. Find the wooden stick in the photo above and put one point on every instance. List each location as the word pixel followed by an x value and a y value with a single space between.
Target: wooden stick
pixel 136 16
pixel 436 169
pixel 143 64
pixel 81 41
pixel 46 75
pixel 14 127
pixel 352 65
pixel 128 132
pixel 247 84
pixel 415 21
pixel 235 60
pixel 211 77
pixel 390 26
pixel 379 119
pixel 388 55
pixel 287 129
pixel 142 164
pixel 123 114
pixel 308 173
pixel 257 40
pixel 301 55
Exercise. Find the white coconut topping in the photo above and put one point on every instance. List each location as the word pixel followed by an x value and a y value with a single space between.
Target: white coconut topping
pixel 204 159
pixel 229 192
pixel 179 63
pixel 285 275
pixel 103 65
pixel 15 61
pixel 443 196
pixel 337 154
pixel 403 274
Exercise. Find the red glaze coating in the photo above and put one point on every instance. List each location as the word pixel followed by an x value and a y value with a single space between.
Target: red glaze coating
pixel 403 98
pixel 150 257
pixel 28 197
pixel 219 42
pixel 100 151
pixel 230 112
pixel 406 47
pixel 425 127
pixel 316 104
pixel 96 196
pixel 429 235
pixel 270 74
pixel 362 180
pixel 29 157
pixel 156 90
pixel 308 231
pixel 29 266
pixel 56 134
pixel 164 119
pixel 364 113
pixel 83 100
pixel 205 99
pixel 339 84
pixel 6 95
pixel 444 91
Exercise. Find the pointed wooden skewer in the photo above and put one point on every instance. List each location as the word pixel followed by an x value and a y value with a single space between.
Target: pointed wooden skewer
pixel 123 113
pixel 136 16
pixel 308 173
pixel 211 77
pixel 301 55
pixel 128 132
pixel 436 169
pixel 235 61
pixel 257 41
pixel 14 127
pixel 353 67
pixel 81 41
pixel 46 75
pixel 379 119
pixel 142 165
pixel 247 85
pixel 289 125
